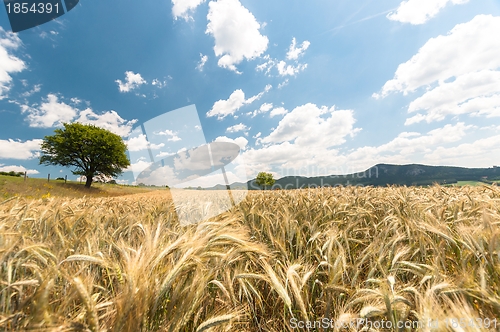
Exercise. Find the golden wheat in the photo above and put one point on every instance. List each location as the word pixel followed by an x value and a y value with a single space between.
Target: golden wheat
pixel 127 264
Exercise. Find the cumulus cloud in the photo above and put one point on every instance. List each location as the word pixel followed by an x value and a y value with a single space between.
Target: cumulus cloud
pixel 295 52
pixel 238 127
pixel 236 100
pixel 172 136
pixel 9 63
pixel 420 11
pixel 137 166
pixel 309 125
pixel 306 135
pixel 476 93
pixel 286 152
pixel 240 141
pixel 14 168
pixel 203 60
pixel 236 33
pixel 409 143
pixel 475 154
pixel 278 111
pixel 36 88
pixel 12 149
pixel 140 143
pixel 460 71
pixel 468 47
pixel 132 81
pixel 109 120
pixel 283 67
pixel 52 113
pixel 266 107
pixel 183 8
pixel 289 70
pixel 159 84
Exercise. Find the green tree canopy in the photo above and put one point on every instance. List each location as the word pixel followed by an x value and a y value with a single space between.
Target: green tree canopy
pixel 265 179
pixel 93 151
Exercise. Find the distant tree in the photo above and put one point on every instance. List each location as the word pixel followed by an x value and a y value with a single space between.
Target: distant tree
pixel 93 151
pixel 265 179
pixel 12 173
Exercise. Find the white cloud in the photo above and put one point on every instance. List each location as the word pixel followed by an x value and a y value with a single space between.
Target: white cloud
pixel 237 127
pixel 223 108
pixel 291 156
pixel 476 93
pixel 109 120
pixel 138 166
pixel 182 8
pixel 236 100
pixel 8 63
pixel 203 60
pixel 289 70
pixel 295 52
pixel 310 125
pixel 13 168
pixel 407 147
pixel 140 143
pixel 11 149
pixel 306 135
pixel 267 65
pixel 284 83
pixel 284 68
pixel 236 33
pixel 410 143
pixel 50 113
pixel 172 135
pixel 262 109
pixel 265 107
pixel 159 84
pixel 164 154
pixel 467 48
pixel 132 81
pixel 476 154
pixel 460 71
pixel 420 11
pixel 240 141
pixel 36 89
pixel 278 111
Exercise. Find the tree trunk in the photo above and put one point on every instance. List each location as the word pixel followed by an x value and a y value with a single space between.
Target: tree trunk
pixel 88 182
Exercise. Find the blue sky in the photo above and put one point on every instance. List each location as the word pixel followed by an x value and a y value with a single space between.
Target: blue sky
pixel 303 87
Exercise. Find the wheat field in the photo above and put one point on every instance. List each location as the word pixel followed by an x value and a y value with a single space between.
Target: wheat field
pixel 396 254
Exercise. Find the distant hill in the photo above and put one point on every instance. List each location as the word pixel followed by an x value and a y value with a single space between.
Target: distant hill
pixel 384 175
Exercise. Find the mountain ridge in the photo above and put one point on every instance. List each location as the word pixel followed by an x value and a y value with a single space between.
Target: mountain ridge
pixel 382 175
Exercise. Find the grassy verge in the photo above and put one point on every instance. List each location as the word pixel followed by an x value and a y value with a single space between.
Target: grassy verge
pixel 41 188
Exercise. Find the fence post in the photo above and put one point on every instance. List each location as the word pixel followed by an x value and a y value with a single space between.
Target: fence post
pixel 65 178
pixel 25 174
pixel 48 178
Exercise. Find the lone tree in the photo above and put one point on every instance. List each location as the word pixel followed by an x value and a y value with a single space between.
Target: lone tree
pixel 265 179
pixel 93 151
